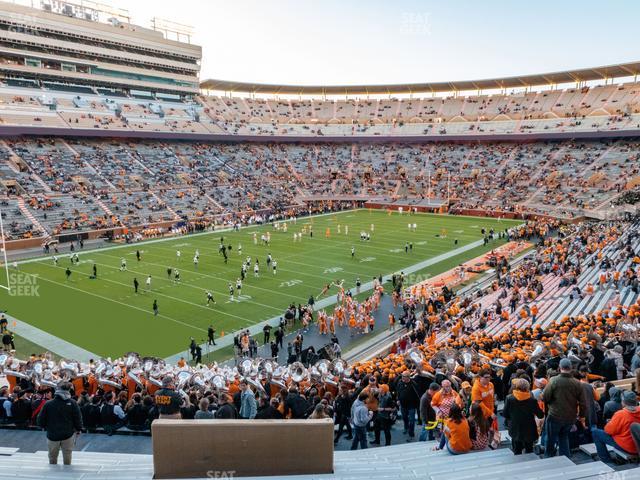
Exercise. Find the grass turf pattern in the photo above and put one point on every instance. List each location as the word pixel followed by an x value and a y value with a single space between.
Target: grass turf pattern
pixel 105 316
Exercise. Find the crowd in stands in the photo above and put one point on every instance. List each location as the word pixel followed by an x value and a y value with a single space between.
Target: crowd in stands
pixel 77 184
pixel 560 379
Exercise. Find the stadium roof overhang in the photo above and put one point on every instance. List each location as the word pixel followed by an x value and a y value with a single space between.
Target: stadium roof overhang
pixel 555 78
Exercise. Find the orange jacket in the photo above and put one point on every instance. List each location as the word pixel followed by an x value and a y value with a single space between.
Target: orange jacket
pixel 619 427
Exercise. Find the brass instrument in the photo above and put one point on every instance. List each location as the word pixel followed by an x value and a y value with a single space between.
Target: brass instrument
pixel 297 372
pixel 540 350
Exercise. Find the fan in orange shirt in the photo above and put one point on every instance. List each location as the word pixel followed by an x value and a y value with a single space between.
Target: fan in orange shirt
pixel 483 393
pixel 352 324
pixel 392 322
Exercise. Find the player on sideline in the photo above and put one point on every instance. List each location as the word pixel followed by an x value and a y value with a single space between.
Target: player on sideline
pixel 67 272
pixel 55 260
pixel 148 282
pixel 256 269
pixel 275 266
pixel 269 258
pixel 210 298
pixel 123 265
pixel 231 292
pixel 155 308
pixel 178 255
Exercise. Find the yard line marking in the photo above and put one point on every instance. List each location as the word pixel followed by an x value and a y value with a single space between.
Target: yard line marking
pixel 204 275
pixel 177 237
pixel 114 301
pixel 155 291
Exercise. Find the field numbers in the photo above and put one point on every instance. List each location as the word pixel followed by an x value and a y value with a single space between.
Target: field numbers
pixel 81 262
pixel 367 259
pixel 291 283
pixel 333 270
pixel 239 298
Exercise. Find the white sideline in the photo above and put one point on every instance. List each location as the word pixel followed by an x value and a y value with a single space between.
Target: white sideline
pixel 173 238
pixel 52 343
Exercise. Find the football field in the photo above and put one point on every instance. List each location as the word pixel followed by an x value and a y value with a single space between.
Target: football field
pixel 105 316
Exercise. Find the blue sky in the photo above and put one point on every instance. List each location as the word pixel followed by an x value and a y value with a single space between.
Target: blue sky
pixel 399 41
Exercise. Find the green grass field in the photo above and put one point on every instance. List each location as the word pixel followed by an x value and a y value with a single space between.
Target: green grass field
pixel 104 315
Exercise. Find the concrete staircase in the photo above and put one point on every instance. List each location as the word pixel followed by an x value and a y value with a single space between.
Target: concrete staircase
pixel 166 205
pixel 27 213
pixel 405 461
pixel 104 207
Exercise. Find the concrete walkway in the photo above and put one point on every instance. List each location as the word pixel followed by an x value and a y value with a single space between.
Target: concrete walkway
pixel 52 343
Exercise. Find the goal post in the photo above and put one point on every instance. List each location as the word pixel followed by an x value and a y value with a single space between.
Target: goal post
pixel 4 276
